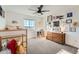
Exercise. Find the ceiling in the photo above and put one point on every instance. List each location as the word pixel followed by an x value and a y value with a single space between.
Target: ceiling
pixel 24 9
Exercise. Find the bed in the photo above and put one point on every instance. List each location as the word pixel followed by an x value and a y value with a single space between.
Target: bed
pixel 6 51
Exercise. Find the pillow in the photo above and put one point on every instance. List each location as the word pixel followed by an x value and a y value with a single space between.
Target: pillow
pixel 4 44
pixel 21 49
pixel 62 51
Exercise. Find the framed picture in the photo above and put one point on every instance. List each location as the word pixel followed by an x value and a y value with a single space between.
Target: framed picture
pixel 68 21
pixel 49 18
pixel 72 29
pixel 60 17
pixel 14 21
pixel 56 23
pixel 70 14
pixel 49 24
pixel 53 17
pixel 56 29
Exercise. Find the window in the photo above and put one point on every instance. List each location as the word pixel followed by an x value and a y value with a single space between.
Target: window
pixel 29 23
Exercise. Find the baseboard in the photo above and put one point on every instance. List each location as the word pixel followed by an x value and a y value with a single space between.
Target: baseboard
pixel 71 46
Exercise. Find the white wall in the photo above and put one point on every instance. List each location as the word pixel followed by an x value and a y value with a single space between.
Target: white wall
pixel 55 10
pixel 10 16
pixel 64 11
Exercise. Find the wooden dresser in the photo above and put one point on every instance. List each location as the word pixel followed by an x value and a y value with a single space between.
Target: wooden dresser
pixel 56 37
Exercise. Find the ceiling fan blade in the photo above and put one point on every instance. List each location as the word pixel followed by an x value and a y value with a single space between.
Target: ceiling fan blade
pixel 45 11
pixel 32 10
pixel 40 8
pixel 41 13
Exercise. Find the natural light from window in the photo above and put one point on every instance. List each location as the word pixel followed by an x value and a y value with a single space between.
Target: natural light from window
pixel 29 23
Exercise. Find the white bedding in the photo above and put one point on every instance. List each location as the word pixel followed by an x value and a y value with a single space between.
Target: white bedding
pixel 7 51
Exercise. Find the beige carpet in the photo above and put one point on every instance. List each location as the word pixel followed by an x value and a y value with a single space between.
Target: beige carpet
pixel 43 46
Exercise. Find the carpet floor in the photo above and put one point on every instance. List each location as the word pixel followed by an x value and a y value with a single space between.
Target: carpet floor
pixel 43 46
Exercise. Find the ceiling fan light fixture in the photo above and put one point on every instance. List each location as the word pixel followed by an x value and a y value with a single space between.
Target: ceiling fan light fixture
pixel 39 11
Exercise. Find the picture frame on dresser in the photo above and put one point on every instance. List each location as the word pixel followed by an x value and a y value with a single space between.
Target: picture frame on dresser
pixel 57 29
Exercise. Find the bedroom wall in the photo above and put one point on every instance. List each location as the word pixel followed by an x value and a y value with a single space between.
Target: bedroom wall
pixel 64 11
pixel 10 16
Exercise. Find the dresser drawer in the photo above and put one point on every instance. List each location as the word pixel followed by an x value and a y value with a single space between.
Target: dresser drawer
pixel 56 37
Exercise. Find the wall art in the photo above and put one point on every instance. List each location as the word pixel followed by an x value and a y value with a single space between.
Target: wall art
pixel 49 18
pixel 60 17
pixel 14 21
pixel 70 14
pixel 56 23
pixel 68 21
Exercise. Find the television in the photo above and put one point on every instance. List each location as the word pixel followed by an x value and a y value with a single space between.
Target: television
pixel 56 23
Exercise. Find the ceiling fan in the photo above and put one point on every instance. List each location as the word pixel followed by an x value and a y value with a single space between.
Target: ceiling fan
pixel 39 10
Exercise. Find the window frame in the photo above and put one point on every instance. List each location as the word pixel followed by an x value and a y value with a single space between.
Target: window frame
pixel 30 23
